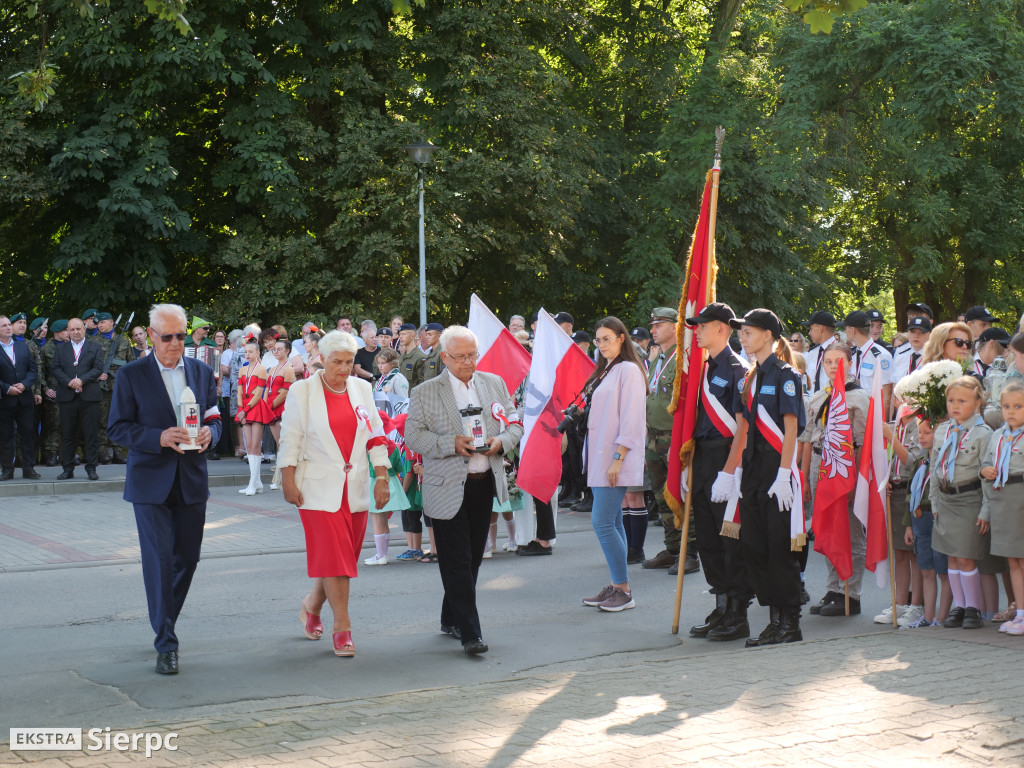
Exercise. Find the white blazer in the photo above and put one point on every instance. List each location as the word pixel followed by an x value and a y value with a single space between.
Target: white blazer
pixel 308 444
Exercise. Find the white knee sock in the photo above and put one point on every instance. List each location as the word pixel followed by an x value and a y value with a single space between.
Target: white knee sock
pixel 956 588
pixel 971 581
pixel 381 541
pixel 510 525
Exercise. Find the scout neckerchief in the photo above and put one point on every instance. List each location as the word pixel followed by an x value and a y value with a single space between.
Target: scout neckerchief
pixel 659 369
pixel 917 486
pixel 724 421
pixel 979 367
pixel 1003 451
pixel 953 444
pixel 385 380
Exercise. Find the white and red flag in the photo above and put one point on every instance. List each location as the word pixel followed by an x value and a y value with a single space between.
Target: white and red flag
pixel 499 351
pixel 557 374
pixel 872 483
pixel 836 480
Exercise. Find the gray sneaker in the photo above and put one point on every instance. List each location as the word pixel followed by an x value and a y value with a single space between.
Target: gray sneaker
pixel 617 601
pixel 600 597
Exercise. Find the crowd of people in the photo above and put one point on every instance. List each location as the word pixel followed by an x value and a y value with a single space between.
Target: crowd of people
pixel 761 424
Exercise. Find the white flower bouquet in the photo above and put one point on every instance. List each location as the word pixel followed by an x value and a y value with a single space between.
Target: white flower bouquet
pixel 925 389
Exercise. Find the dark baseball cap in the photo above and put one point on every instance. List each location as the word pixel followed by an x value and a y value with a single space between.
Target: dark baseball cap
pixel 994 334
pixel 640 333
pixel 407 327
pixel 716 310
pixel 579 336
pixel 874 316
pixel 764 319
pixel 920 306
pixel 920 324
pixel 435 327
pixel 857 319
pixel 563 317
pixel 979 313
pixel 821 317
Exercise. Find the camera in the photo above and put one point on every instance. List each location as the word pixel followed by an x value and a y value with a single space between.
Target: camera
pixel 575 415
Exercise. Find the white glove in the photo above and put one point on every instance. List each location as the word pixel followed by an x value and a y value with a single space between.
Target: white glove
pixel 782 489
pixel 684 485
pixel 723 486
pixel 739 477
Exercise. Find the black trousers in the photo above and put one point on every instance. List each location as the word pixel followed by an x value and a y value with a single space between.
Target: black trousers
pixel 73 414
pixel 460 549
pixel 721 556
pixel 573 480
pixel 545 520
pixel 772 566
pixel 25 417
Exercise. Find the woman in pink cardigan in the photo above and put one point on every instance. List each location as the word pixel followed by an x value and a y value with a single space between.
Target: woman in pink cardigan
pixel 617 432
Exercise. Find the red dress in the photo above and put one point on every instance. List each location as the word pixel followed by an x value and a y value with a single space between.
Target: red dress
pixel 335 539
pixel 277 383
pixel 259 412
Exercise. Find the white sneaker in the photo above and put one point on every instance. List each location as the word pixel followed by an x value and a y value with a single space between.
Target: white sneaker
pixel 511 546
pixel 376 560
pixel 913 615
pixel 487 554
pixel 275 487
pixel 885 617
pixel 1005 626
pixel 1015 628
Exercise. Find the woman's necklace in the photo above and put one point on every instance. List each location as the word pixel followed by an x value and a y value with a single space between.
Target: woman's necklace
pixel 342 391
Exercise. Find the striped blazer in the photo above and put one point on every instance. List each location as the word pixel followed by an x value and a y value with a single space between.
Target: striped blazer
pixel 431 428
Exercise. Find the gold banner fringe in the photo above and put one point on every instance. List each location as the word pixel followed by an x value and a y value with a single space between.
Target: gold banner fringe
pixel 798 542
pixel 730 529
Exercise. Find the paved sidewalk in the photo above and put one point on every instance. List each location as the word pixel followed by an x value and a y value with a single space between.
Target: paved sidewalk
pixel 901 699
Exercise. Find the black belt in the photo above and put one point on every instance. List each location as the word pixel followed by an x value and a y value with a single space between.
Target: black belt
pixel 478 475
pixel 953 490
pixel 1013 479
pixel 817 451
pixel 897 484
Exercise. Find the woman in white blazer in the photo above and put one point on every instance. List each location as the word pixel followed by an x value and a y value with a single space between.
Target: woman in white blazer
pixel 330 432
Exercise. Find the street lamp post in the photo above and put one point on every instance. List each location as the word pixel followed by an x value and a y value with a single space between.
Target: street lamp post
pixel 420 153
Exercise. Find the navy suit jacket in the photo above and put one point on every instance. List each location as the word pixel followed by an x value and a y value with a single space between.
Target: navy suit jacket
pixel 22 371
pixel 140 411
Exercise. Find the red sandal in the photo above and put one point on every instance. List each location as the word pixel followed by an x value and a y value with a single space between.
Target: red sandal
pixel 311 625
pixel 343 644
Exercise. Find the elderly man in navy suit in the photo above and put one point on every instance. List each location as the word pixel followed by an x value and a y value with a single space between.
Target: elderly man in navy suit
pixel 17 403
pixel 167 485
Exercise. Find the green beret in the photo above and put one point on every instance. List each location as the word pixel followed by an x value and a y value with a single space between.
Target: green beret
pixel 19 316
pixel 60 325
pixel 87 314
pixel 34 325
pixel 663 314
pixel 99 317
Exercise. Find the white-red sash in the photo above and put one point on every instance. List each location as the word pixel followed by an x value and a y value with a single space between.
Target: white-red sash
pixel 724 421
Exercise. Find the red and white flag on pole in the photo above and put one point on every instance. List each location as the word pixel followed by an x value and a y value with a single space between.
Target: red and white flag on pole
pixel 557 374
pixel 836 480
pixel 499 351
pixel 872 482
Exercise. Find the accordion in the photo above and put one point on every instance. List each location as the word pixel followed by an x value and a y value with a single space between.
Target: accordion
pixel 209 355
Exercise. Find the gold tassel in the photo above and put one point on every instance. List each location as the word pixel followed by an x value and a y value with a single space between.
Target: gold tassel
pixel 798 542
pixel 730 529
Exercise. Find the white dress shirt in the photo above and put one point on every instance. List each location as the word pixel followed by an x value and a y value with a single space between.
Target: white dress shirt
pixel 174 381
pixel 466 397
pixel 9 349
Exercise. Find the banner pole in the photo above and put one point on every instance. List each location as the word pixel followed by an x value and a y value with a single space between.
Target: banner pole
pixel 892 564
pixel 684 530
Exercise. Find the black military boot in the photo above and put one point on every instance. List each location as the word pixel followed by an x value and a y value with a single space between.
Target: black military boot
pixel 734 625
pixel 789 628
pixel 768 633
pixel 52 460
pixel 714 618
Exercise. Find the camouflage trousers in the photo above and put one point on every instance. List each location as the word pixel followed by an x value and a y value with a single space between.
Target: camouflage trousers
pixel 659 442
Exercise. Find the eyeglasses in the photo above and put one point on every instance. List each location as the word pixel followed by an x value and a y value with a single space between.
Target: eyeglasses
pixel 795 340
pixel 604 340
pixel 462 359
pixel 962 343
pixel 166 338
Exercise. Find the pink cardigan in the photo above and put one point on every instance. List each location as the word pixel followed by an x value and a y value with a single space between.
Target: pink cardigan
pixel 618 416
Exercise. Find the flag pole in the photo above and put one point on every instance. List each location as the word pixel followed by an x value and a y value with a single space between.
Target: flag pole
pixel 684 530
pixel 846 592
pixel 892 564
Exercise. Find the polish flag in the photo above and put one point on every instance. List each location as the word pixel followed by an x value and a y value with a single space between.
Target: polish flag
pixel 872 482
pixel 500 353
pixel 557 374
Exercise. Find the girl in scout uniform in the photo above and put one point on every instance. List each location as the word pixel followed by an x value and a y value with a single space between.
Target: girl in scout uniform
pixel 1002 506
pixel 956 498
pixel 771 496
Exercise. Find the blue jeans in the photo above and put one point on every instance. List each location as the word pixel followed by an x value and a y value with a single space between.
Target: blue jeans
pixel 606 518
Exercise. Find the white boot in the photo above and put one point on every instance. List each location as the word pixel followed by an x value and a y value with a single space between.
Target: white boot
pixel 255 484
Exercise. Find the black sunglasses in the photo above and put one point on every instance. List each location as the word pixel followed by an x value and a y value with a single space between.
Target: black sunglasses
pixel 962 343
pixel 166 337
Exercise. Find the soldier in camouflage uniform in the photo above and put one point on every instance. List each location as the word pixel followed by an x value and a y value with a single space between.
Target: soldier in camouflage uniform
pixel 51 411
pixel 409 354
pixel 431 365
pixel 660 380
pixel 110 453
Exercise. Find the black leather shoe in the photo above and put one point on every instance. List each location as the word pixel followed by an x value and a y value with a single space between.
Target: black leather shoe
pixel 663 559
pixel 584 505
pixel 167 663
pixel 451 629
pixel 830 597
pixel 211 457
pixel 972 619
pixel 67 474
pixel 634 556
pixel 474 647
pixel 92 474
pixel 30 474
pixel 954 619
pixel 7 475
pixel 838 607
pixel 533 549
